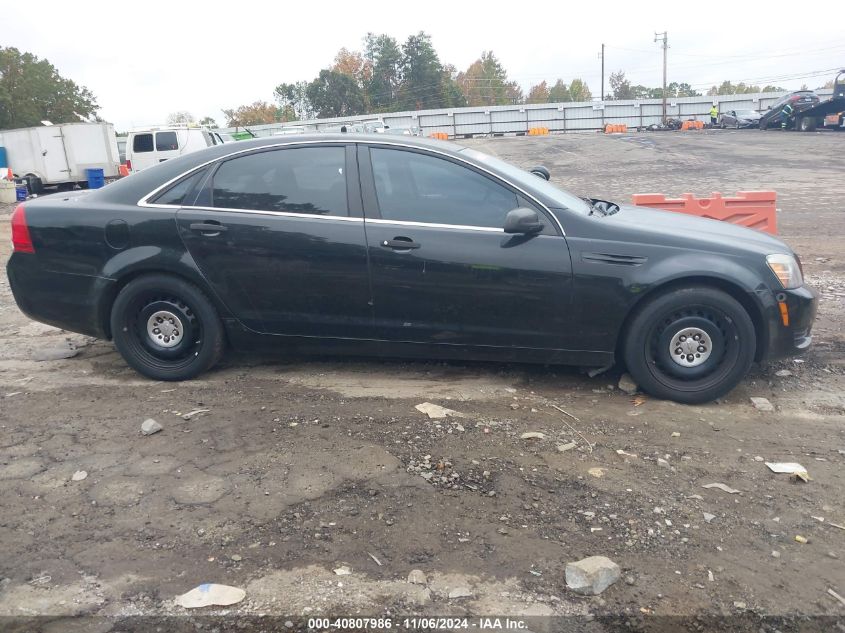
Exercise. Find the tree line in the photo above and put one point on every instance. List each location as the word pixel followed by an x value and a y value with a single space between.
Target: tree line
pixel 389 76
pixel 384 76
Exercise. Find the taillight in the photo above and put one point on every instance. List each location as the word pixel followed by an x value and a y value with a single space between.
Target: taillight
pixel 128 164
pixel 21 241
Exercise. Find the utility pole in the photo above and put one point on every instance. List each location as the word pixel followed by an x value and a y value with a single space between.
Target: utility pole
pixel 601 57
pixel 664 37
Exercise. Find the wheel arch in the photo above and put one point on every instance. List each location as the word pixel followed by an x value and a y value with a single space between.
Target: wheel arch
pixel 754 310
pixel 109 295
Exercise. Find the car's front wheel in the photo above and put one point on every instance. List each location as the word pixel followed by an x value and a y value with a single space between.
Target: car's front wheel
pixel 166 328
pixel 691 345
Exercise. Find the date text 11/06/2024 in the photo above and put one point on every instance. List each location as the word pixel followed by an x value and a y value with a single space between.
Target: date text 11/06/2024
pixel 417 623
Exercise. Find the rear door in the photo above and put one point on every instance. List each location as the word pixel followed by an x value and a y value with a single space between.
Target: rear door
pixel 443 270
pixel 54 154
pixel 279 235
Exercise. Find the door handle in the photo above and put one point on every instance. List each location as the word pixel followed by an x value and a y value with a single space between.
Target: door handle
pixel 400 243
pixel 208 228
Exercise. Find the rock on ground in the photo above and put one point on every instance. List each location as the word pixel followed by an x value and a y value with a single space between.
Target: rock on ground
pixel 150 426
pixel 627 384
pixel 417 577
pixel 762 404
pixel 590 576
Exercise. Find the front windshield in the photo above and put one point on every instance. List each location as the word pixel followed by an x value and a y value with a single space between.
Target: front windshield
pixel 519 176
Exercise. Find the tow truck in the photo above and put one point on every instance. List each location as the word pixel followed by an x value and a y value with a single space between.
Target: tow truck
pixel 828 113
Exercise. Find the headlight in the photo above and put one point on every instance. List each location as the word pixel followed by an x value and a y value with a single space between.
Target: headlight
pixel 787 269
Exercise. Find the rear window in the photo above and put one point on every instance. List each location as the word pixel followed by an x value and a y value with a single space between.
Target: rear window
pixel 142 143
pixel 166 141
pixel 177 192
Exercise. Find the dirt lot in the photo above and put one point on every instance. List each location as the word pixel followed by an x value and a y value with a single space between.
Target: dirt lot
pixel 297 467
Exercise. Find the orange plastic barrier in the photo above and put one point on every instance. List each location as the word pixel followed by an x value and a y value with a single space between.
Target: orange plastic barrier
pixel 754 209
pixel 692 125
pixel 612 128
pixel 538 131
pixel 440 135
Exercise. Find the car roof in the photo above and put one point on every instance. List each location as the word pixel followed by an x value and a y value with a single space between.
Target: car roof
pixel 140 184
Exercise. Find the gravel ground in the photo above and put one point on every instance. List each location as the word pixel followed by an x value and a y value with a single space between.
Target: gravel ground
pixel 269 474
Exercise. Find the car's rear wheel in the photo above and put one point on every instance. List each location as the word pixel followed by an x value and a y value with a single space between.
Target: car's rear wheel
pixel 166 328
pixel 691 345
pixel 806 124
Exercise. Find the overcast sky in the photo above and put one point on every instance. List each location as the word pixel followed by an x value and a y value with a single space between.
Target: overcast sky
pixel 145 59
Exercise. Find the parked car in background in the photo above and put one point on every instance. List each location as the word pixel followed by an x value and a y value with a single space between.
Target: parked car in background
pixel 150 146
pixel 403 247
pixel 799 100
pixel 375 127
pixel 403 131
pixel 739 119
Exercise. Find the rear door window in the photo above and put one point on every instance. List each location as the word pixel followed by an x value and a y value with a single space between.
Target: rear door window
pixel 142 143
pixel 181 191
pixel 308 180
pixel 166 141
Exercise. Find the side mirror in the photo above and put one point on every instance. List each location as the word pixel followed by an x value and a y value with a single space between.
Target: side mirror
pixel 523 221
pixel 541 171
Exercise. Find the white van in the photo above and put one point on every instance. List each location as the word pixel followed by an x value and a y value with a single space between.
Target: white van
pixel 151 146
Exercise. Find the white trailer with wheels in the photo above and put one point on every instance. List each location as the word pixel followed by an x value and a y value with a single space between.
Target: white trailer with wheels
pixel 58 155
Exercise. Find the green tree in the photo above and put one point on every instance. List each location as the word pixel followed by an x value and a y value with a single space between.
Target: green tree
pixel 771 88
pixel 208 121
pixel 385 58
pixel 32 90
pixel 538 93
pixel 486 82
pixel 424 82
pixel 293 99
pixel 580 91
pixel 334 94
pixel 257 113
pixel 559 93
pixel 727 88
pixel 621 87
pixel 182 117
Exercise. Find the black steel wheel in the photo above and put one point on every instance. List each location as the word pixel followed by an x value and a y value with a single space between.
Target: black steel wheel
pixel 690 345
pixel 166 328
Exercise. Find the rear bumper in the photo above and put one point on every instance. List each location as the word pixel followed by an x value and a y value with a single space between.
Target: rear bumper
pixel 796 337
pixel 67 301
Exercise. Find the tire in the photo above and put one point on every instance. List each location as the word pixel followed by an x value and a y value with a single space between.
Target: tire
pixel 34 184
pixel 669 323
pixel 806 124
pixel 166 328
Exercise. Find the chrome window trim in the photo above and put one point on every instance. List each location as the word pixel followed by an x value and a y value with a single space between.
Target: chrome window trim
pixel 288 214
pixel 143 202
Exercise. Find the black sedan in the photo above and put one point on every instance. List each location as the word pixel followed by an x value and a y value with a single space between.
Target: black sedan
pixel 402 247
pixel 786 112
pixel 739 119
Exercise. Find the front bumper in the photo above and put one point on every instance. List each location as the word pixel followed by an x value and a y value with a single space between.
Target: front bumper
pixel 796 336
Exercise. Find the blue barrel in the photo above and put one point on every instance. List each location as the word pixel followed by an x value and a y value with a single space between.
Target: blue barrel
pixel 4 159
pixel 96 178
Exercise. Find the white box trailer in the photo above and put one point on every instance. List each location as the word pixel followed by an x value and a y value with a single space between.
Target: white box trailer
pixel 58 155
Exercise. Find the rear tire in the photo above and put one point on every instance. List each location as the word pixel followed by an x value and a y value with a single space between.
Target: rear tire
pixel 34 184
pixel 806 124
pixel 690 345
pixel 166 328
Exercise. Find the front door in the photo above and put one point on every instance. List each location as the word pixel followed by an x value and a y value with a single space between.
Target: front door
pixel 443 270
pixel 279 236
